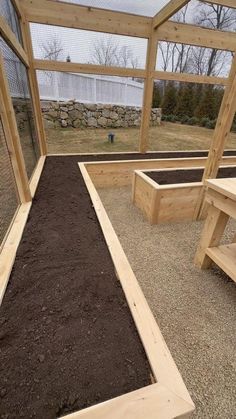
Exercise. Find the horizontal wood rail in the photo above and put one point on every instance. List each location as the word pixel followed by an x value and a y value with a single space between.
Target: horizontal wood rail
pixel 88 68
pixel 226 3
pixel 184 33
pixel 190 78
pixel 12 41
pixel 88 18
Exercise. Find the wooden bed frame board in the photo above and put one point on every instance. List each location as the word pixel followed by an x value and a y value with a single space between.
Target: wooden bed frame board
pixel 106 174
pixel 167 203
pixel 151 399
pixel 15 232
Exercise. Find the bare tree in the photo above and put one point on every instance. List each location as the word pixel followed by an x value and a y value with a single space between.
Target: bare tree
pixel 107 51
pixel 52 48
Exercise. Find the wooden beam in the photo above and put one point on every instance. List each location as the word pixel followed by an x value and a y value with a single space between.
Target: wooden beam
pixel 167 11
pixel 12 137
pixel 190 78
pixel 18 8
pixel 194 35
pixel 12 41
pixel 25 29
pixel 88 68
pixel 223 126
pixel 148 94
pixel 89 18
pixel 226 3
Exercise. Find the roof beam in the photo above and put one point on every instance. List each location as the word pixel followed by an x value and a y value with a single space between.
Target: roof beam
pixel 226 3
pixel 88 68
pixel 193 35
pixel 88 18
pixel 167 11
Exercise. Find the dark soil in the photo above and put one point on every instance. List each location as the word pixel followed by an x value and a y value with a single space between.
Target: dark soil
pixel 187 176
pixel 67 338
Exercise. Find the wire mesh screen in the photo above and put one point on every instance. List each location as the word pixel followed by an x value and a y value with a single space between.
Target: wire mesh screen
pixel 207 15
pixel 7 10
pixel 182 58
pixel 145 8
pixel 21 100
pixel 8 194
pixel 81 46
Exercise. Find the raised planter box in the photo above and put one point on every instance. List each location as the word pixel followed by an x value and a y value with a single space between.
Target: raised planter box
pixel 170 195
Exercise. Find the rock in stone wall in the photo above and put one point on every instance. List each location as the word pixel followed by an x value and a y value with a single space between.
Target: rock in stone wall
pixel 81 115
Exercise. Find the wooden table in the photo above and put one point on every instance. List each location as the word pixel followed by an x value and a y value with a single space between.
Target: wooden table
pixel 221 195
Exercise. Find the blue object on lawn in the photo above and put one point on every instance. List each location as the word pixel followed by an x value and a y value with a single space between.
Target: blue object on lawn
pixel 111 137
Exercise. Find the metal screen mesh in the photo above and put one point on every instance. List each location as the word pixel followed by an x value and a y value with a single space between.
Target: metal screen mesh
pixel 8 194
pixel 7 10
pixel 21 100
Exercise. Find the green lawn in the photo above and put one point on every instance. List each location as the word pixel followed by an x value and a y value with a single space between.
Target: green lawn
pixel 168 136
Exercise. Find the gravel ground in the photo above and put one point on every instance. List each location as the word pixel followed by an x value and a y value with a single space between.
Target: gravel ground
pixel 194 309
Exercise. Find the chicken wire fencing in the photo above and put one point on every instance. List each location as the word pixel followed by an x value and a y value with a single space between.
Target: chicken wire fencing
pixel 8 11
pixel 8 194
pixel 89 88
pixel 20 94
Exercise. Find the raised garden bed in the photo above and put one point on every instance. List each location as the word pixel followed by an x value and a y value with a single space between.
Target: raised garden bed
pixel 72 335
pixel 170 195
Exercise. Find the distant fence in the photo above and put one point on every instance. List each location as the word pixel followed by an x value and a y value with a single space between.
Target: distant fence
pixel 89 88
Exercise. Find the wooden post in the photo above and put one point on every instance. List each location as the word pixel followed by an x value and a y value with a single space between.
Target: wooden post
pixel 12 137
pixel 221 134
pixel 148 92
pixel 25 29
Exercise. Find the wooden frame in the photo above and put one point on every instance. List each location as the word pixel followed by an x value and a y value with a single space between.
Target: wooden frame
pixel 12 41
pixel 165 203
pixel 13 237
pixel 120 173
pixel 226 3
pixel 172 7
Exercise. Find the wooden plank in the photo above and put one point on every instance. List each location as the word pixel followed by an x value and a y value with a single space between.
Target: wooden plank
pixel 148 94
pixel 211 235
pixel 12 137
pixel 139 404
pixel 226 3
pixel 226 186
pixel 225 257
pixel 18 8
pixel 88 68
pixel 120 173
pixel 88 18
pixel 172 7
pixel 25 29
pixel 194 35
pixel 144 195
pixel 161 362
pixel 190 78
pixel 222 202
pixel 13 237
pixel 8 253
pixel 12 41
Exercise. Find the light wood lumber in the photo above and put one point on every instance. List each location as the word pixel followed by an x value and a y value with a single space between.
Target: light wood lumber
pixel 194 35
pixel 12 240
pixel 161 362
pixel 148 94
pixel 12 137
pixel 172 7
pixel 139 404
pixel 226 3
pixel 12 41
pixel 225 257
pixel 190 78
pixel 25 29
pixel 50 65
pixel 87 18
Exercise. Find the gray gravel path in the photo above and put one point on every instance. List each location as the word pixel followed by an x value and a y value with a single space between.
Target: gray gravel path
pixel 195 309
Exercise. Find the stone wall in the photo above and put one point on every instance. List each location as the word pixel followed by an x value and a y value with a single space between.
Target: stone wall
pixel 81 115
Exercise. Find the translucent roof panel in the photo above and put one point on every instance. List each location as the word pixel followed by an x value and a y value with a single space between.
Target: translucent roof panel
pixel 138 7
